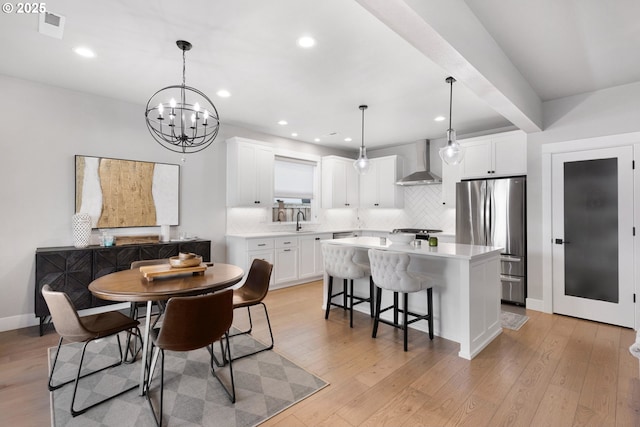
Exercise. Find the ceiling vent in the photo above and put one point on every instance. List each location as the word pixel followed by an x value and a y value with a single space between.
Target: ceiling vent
pixel 51 25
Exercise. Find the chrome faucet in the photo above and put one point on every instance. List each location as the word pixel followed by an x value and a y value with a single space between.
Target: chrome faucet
pixel 298 226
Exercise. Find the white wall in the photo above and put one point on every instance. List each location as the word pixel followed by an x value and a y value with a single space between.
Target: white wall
pixel 607 112
pixel 43 127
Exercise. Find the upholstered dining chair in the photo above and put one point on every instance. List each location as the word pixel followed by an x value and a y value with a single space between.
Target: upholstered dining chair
pixel 339 262
pixel 389 271
pixel 85 329
pixel 191 323
pixel 250 294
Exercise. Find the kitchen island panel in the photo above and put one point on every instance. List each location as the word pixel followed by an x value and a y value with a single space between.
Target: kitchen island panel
pixel 466 290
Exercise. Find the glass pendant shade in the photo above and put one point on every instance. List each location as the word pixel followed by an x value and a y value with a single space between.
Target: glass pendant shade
pixel 362 162
pixel 452 153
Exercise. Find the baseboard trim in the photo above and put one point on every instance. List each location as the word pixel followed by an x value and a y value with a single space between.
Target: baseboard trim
pixel 535 304
pixel 18 322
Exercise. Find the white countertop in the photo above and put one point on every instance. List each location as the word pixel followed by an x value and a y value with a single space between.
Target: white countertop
pixel 443 250
pixel 303 232
pixel 277 234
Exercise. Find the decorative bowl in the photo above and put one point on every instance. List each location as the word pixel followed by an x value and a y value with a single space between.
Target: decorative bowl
pixel 176 262
pixel 401 238
pixel 186 255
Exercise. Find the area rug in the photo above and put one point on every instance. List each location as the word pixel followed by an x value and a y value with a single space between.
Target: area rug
pixel 266 384
pixel 512 320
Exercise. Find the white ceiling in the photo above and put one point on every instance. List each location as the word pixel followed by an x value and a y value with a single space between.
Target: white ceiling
pixel 393 55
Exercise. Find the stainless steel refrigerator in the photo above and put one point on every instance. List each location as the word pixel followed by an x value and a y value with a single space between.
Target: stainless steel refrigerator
pixel 492 212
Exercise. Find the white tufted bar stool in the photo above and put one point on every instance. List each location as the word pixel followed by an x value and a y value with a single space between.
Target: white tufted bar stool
pixel 389 271
pixel 339 262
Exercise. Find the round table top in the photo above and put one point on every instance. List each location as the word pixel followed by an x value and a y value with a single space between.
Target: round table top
pixel 131 285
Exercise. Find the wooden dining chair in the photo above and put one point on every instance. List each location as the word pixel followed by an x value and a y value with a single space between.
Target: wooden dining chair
pixel 70 326
pixel 183 330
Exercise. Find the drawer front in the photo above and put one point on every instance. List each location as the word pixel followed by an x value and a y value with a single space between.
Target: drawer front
pixel 259 244
pixel 513 288
pixel 512 265
pixel 286 242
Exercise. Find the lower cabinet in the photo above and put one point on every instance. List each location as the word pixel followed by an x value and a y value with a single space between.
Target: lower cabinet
pixel 286 265
pixel 296 259
pixel 310 255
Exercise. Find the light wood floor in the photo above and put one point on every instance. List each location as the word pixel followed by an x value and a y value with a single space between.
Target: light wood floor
pixel 554 371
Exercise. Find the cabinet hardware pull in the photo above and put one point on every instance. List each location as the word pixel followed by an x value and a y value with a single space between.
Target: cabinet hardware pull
pixel 262 244
pixel 287 250
pixel 317 238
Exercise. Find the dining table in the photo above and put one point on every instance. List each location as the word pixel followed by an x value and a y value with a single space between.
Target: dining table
pixel 132 286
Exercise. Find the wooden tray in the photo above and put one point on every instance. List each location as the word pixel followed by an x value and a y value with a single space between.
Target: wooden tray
pixel 150 272
pixel 136 240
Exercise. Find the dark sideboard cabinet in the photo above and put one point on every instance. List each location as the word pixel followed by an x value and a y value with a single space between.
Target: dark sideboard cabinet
pixel 71 270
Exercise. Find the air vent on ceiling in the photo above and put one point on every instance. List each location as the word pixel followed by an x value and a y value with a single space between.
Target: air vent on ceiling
pixel 51 24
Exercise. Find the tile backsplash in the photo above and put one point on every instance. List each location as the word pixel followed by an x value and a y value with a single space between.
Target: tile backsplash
pixel 422 209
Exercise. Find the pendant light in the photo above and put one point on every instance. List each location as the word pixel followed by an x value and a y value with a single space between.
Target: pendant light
pixel 362 162
pixel 452 153
pixel 182 118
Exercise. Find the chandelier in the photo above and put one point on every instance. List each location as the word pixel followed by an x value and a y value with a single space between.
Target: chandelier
pixel 362 162
pixel 182 118
pixel 452 153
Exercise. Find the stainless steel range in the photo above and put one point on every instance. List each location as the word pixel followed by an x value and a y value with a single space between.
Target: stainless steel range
pixel 421 233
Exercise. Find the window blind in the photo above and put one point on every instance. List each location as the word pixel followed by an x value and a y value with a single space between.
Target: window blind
pixel 293 178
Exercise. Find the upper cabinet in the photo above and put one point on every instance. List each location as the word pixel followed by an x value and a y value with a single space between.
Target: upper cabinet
pixel 378 187
pixel 249 173
pixel 450 176
pixel 339 183
pixel 503 154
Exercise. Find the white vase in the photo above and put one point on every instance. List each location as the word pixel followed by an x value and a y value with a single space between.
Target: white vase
pixel 81 223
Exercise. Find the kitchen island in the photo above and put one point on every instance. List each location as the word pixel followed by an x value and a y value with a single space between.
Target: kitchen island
pixel 466 290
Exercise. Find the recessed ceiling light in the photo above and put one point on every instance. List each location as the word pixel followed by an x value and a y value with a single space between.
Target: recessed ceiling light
pixel 223 93
pixel 316 139
pixel 306 42
pixel 348 140
pixel 84 52
pixel 283 122
pixel 294 134
pixel 439 119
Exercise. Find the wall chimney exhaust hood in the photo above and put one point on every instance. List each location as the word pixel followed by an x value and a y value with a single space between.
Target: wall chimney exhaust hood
pixel 423 177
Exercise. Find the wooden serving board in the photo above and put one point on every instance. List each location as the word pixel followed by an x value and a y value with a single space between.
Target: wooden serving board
pixel 150 272
pixel 135 240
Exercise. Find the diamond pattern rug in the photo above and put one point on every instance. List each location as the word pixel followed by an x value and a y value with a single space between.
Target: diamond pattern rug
pixel 266 384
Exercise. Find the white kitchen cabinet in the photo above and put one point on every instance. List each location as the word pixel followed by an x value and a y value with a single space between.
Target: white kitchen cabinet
pixel 296 258
pixel 489 156
pixel 450 176
pixel 249 173
pixel 310 263
pixel 339 183
pixel 287 265
pixel 378 187
pixel 286 259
